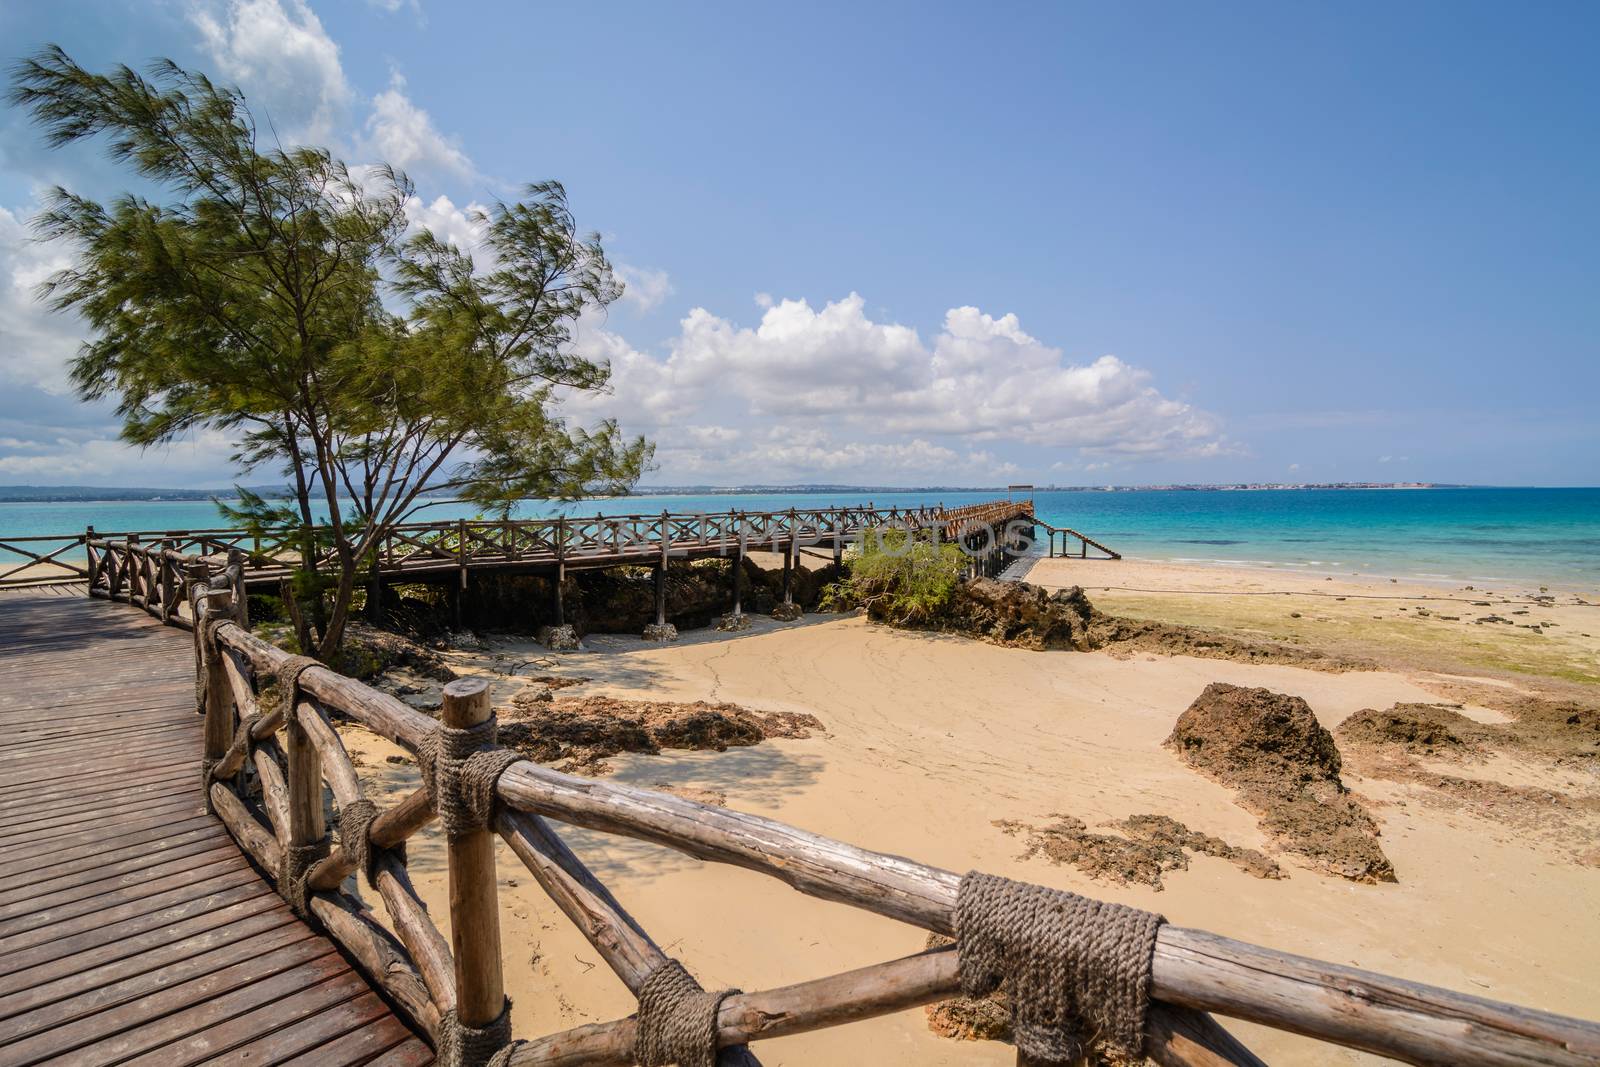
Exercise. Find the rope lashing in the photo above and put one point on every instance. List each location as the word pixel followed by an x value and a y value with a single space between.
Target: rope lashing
pixel 207 769
pixel 209 648
pixel 677 1019
pixel 460 767
pixel 355 838
pixel 461 1045
pixel 286 688
pixel 1077 970
pixel 292 880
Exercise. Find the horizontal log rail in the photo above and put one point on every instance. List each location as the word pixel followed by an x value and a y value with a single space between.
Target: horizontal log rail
pixel 273 766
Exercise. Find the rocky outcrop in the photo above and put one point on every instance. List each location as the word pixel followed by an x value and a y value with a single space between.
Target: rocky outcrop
pixel 559 638
pixel 1141 850
pixel 1029 616
pixel 583 731
pixel 1023 615
pixel 1285 767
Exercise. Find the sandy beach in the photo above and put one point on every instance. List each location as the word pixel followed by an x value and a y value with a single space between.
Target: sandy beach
pixel 929 740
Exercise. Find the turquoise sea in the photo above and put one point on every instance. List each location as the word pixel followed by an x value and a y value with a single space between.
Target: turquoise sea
pixel 1550 536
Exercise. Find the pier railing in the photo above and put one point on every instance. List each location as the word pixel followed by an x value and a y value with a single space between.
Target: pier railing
pixel 1066 535
pixel 430 550
pixel 272 751
pixel 424 549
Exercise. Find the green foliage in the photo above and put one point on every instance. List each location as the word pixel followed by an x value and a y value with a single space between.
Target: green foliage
pixel 284 299
pixel 899 579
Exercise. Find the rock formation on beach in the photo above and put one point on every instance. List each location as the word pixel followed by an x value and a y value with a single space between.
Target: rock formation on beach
pixel 1284 765
pixel 1021 615
pixel 1140 852
pixel 583 731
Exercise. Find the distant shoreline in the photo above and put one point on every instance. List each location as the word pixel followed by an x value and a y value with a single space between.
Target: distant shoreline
pixel 84 494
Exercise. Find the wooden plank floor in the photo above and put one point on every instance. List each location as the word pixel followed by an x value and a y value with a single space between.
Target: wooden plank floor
pixel 132 929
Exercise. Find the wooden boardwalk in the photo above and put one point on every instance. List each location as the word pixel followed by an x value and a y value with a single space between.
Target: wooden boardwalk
pixel 132 928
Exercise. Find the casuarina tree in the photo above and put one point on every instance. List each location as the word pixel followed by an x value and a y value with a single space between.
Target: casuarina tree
pixel 283 298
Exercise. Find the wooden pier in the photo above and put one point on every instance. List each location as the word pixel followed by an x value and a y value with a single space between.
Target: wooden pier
pixel 454 549
pixel 132 928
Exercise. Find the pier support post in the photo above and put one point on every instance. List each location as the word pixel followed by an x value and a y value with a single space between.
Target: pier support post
pixel 661 630
pixel 561 568
pixel 474 899
pixel 838 549
pixel 788 572
pixel 738 575
pixel 661 570
pixel 788 560
pixel 661 593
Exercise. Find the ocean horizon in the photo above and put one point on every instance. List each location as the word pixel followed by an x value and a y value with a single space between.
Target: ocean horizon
pixel 1467 534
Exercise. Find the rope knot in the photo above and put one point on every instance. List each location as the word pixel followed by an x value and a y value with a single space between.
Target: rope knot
pixel 292 879
pixel 286 686
pixel 677 1019
pixel 355 837
pixel 208 634
pixel 1077 970
pixel 460 767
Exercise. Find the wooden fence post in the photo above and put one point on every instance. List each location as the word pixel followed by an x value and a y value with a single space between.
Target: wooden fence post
pixel 474 903
pixel 241 599
pixel 132 567
pixel 304 773
pixel 169 581
pixel 219 695
pixel 92 564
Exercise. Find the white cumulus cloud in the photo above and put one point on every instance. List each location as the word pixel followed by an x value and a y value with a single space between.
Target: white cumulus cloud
pixel 643 288
pixel 831 392
pixel 403 134
pixel 280 54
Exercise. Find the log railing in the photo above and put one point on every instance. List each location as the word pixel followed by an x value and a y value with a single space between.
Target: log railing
pixel 41 560
pixel 271 767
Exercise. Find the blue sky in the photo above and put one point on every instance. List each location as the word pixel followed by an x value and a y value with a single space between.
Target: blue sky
pixel 1077 243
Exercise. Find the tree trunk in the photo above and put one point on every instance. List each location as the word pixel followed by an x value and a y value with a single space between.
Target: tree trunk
pixel 344 594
